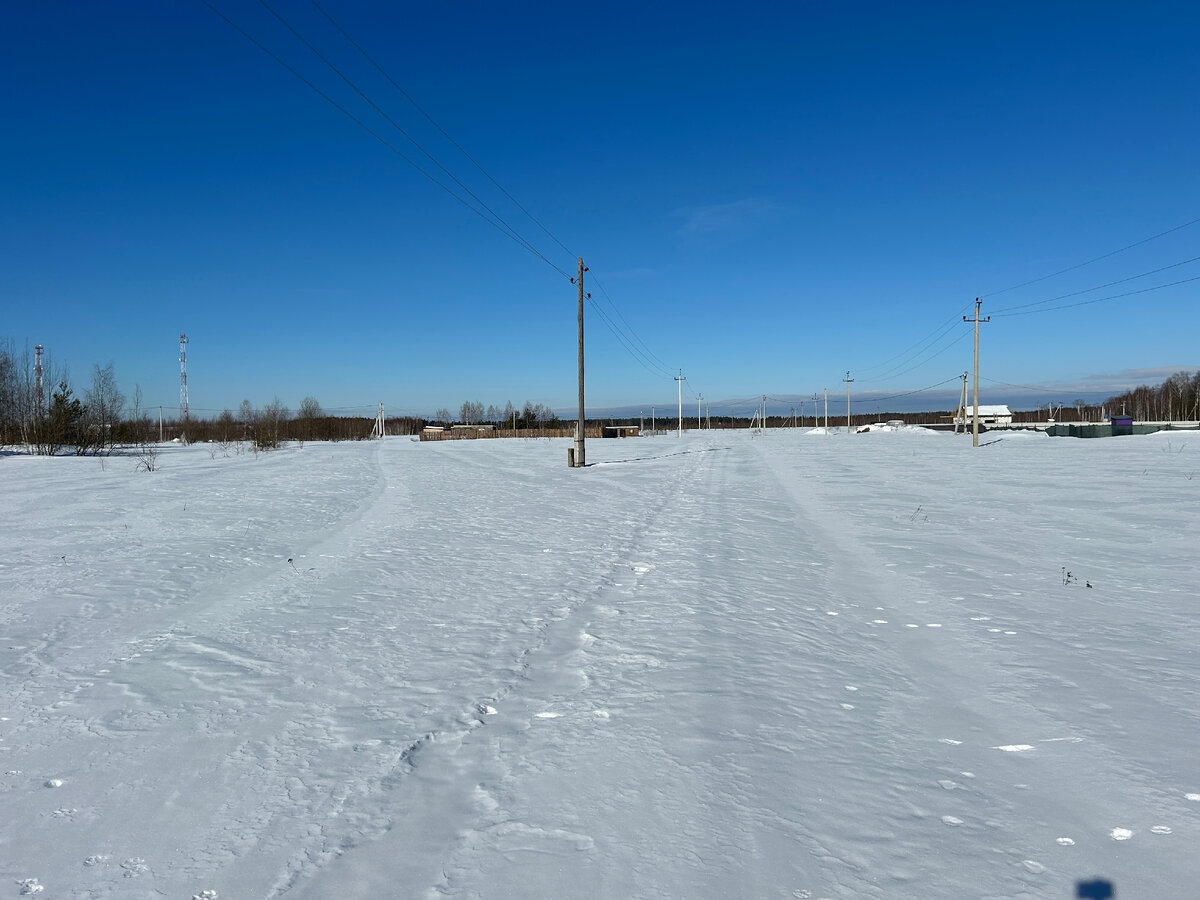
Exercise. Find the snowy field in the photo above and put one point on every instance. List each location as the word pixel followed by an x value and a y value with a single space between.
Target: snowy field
pixel 727 666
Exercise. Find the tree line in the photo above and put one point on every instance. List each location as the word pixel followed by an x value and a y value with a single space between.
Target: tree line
pixel 1177 398
pixel 55 417
pixel 531 415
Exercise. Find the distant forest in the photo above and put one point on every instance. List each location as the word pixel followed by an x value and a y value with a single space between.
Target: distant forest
pixel 101 418
pixel 1176 398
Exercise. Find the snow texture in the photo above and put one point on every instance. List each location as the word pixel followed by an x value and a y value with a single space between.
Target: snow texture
pixel 785 665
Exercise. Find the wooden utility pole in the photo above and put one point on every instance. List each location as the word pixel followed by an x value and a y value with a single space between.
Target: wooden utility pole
pixel 580 450
pixel 975 418
pixel 679 380
pixel 960 414
pixel 699 423
pixel 848 380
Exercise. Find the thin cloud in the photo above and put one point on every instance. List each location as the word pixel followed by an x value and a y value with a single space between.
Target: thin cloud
pixel 1152 376
pixel 728 219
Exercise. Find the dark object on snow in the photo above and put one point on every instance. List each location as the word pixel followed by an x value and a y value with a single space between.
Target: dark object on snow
pixel 1095 890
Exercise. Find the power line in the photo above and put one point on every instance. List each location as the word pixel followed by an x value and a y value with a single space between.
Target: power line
pixel 1152 237
pixel 1101 287
pixel 906 393
pixel 1028 387
pixel 630 341
pixel 505 225
pixel 629 327
pixel 512 235
pixel 1158 287
pixel 443 131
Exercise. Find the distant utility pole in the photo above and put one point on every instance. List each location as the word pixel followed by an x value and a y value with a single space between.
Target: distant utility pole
pixel 580 449
pixel 960 414
pixel 699 422
pixel 975 419
pixel 816 413
pixel 679 380
pixel 827 410
pixel 764 413
pixel 380 424
pixel 848 380
pixel 39 400
pixel 652 425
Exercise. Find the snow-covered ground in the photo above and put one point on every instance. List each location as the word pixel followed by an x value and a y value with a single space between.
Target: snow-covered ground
pixel 788 665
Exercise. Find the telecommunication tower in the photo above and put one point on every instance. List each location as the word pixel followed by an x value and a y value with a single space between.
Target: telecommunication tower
pixel 183 393
pixel 39 399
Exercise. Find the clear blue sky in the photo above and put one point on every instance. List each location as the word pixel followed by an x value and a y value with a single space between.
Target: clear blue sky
pixel 771 194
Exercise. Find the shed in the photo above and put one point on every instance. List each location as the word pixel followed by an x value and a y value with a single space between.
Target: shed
pixel 988 415
pixel 620 431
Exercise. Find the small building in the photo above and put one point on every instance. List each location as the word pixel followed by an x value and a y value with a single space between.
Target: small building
pixel 620 431
pixel 988 415
pixel 1121 425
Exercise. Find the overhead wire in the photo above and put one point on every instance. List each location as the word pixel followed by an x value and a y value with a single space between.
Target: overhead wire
pixel 1098 287
pixel 1157 287
pixel 505 226
pixel 1088 262
pixel 434 123
pixel 628 337
pixel 377 136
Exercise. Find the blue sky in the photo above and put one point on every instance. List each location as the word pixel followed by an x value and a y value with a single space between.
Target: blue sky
pixel 769 194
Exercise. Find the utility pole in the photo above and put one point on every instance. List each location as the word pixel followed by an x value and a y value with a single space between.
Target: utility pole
pixel 975 418
pixel 580 449
pixel 679 381
pixel 960 414
pixel 652 425
pixel 847 379
pixel 699 423
pixel 816 413
pixel 826 410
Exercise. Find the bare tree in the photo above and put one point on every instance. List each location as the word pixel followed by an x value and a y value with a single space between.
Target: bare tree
pixel 270 429
pixel 306 418
pixel 471 413
pixel 103 404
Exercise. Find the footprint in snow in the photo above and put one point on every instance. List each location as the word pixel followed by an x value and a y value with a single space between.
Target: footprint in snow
pixel 1064 841
pixel 31 886
pixel 1121 834
pixel 135 866
pixel 951 820
pixel 1160 829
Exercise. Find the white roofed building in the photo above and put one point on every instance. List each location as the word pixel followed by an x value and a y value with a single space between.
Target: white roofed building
pixel 988 415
